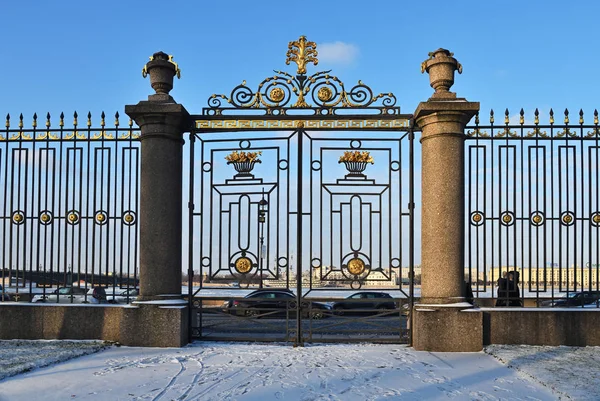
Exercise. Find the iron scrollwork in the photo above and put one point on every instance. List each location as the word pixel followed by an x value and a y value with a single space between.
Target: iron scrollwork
pixel 285 91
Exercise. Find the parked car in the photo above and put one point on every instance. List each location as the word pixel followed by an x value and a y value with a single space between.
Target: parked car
pixel 273 303
pixel 63 295
pixel 366 302
pixel 4 297
pixel 122 296
pixel 574 299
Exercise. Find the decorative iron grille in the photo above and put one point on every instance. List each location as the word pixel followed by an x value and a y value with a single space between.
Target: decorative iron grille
pixel 68 213
pixel 533 207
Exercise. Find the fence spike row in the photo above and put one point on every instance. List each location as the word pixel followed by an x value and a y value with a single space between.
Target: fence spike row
pixel 521 117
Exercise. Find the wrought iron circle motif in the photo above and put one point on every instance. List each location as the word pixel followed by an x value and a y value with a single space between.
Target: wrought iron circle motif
pixel 507 218
pixel 315 165
pixel 315 263
pixel 537 218
pixel 283 164
pixel 73 217
pixel 100 217
pixel 18 217
pixel 282 261
pixel 567 218
pixel 206 167
pixel 129 217
pixel 45 217
pixel 356 284
pixel 243 265
pixel 395 263
pixel 356 266
pixel 477 218
pixel 395 165
pixel 205 261
pixel 595 219
pixel 355 144
pixel 245 144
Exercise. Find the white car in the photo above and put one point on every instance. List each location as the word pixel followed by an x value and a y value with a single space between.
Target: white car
pixel 122 296
pixel 63 295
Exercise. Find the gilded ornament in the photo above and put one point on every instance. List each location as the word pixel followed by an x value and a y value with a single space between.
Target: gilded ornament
pixel 507 218
pixel 302 52
pixel 324 94
pixel 567 218
pixel 100 217
pixel 477 218
pixel 356 266
pixel 73 217
pixel 537 219
pixel 277 94
pixel 18 217
pixel 45 217
pixel 128 218
pixel 596 219
pixel 243 265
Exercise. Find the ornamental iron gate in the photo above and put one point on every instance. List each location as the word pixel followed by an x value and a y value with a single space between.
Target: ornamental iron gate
pixel 302 194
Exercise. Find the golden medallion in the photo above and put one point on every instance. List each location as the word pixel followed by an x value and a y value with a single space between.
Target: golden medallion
pixel 277 94
pixel 596 218
pixel 18 218
pixel 477 218
pixel 567 218
pixel 324 94
pixel 73 218
pixel 45 217
pixel 243 265
pixel 356 266
pixel 128 218
pixel 507 218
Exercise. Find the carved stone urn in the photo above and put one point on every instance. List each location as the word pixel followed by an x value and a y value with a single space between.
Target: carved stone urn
pixel 161 69
pixel 441 66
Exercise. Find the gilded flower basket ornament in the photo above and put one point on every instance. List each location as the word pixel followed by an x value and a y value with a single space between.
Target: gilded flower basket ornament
pixel 356 162
pixel 243 162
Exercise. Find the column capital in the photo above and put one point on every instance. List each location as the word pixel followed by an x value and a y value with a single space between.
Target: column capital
pixel 167 120
pixel 436 118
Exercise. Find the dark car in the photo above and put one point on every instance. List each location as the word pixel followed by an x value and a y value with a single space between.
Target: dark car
pixel 364 302
pixel 574 299
pixel 273 303
pixel 4 295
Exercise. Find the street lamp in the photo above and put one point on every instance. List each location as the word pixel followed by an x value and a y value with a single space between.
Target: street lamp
pixel 262 218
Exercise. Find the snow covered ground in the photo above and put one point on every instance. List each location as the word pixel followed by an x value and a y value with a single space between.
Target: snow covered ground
pixel 242 371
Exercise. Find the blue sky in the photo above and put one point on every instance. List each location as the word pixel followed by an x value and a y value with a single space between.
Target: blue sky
pixel 88 56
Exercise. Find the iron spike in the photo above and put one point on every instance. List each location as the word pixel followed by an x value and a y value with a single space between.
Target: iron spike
pixel 75 119
pixel 580 116
pixel 34 124
pixel 566 116
pixel 102 117
pixel 477 118
pixel 117 119
pixel 536 114
pixel 8 121
pixel 506 120
pixel 21 120
pixel 61 123
pixel 491 116
pixel 89 119
pixel 521 117
pixel 48 120
pixel 596 116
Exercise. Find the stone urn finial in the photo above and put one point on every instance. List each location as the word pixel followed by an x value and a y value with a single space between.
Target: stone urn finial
pixel 161 69
pixel 441 66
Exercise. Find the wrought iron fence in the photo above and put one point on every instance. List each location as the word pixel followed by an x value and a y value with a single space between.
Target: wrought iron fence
pixel 533 211
pixel 68 210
